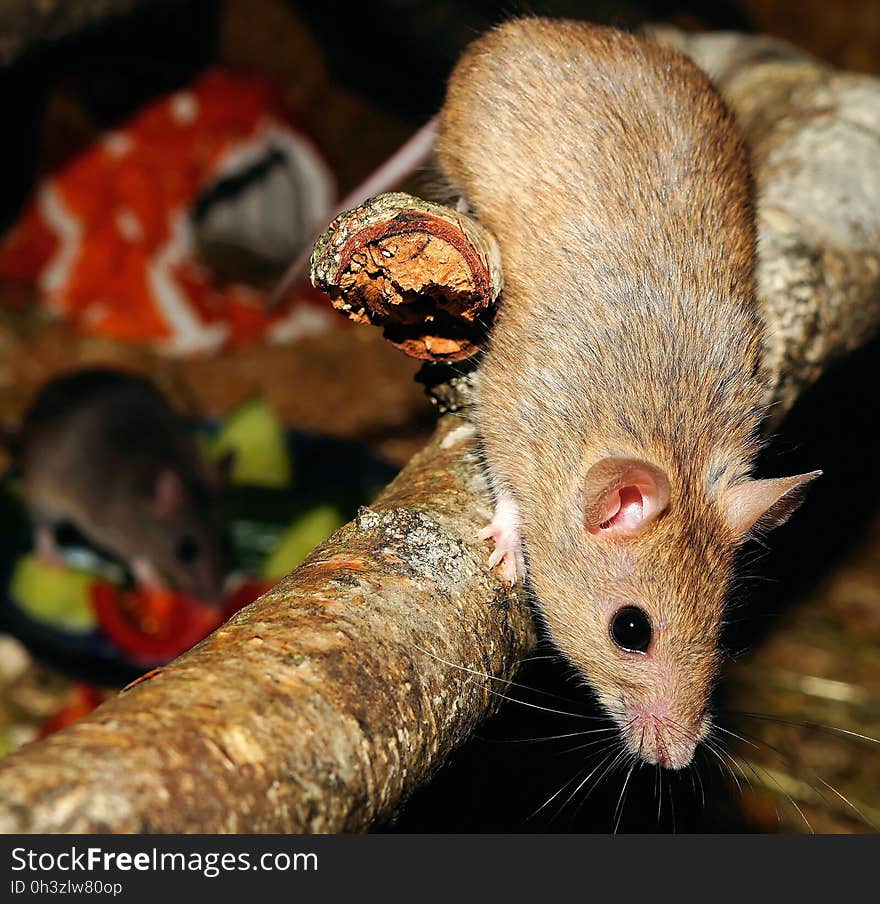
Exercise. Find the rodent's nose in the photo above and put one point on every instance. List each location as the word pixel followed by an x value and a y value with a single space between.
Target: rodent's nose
pixel 665 748
pixel 654 736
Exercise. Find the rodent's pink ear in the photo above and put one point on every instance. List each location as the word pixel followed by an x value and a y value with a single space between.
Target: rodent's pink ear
pixel 764 504
pixel 623 495
pixel 167 492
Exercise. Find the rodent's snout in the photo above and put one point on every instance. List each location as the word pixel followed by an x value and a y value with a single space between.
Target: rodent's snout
pixel 653 735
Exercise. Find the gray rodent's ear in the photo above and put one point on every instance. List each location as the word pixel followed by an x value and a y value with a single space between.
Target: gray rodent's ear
pixel 764 504
pixel 167 492
pixel 623 496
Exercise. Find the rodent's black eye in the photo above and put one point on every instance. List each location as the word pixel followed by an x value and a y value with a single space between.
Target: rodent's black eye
pixel 187 550
pixel 631 629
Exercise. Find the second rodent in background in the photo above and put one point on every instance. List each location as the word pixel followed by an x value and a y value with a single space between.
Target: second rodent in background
pixel 620 396
pixel 103 450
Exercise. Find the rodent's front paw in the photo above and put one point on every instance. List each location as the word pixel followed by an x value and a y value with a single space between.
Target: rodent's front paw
pixel 504 532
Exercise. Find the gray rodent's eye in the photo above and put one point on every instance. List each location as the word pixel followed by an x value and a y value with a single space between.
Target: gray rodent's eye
pixel 631 629
pixel 187 550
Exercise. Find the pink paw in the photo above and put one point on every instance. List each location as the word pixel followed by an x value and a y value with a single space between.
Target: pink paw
pixel 504 531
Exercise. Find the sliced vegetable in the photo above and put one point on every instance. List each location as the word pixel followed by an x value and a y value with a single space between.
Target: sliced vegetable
pixel 300 539
pixel 60 597
pixel 256 436
pixel 152 626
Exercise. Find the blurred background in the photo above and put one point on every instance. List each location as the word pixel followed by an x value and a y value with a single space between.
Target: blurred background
pixel 162 161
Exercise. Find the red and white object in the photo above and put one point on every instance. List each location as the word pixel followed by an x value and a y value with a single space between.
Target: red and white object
pixel 110 238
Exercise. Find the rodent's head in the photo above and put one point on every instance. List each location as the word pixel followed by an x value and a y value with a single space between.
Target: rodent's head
pixel 637 604
pixel 183 534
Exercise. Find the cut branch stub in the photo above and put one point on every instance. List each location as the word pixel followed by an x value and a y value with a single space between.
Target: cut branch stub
pixel 428 275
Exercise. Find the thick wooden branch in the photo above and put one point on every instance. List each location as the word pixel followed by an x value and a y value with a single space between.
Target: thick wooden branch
pixel 323 705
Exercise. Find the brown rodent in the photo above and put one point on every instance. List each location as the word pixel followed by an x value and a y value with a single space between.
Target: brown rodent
pixel 620 393
pixel 104 450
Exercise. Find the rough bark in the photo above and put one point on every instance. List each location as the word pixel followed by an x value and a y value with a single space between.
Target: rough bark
pixel 426 274
pixel 318 708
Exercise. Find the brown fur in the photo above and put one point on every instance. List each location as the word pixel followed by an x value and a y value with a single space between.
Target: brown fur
pixel 618 188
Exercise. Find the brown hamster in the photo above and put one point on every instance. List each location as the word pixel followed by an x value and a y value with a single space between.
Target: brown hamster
pixel 620 393
pixel 104 450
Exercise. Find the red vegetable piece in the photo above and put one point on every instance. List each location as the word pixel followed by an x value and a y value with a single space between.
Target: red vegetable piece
pixel 152 626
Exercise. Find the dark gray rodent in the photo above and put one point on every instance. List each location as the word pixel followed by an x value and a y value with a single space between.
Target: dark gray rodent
pixel 103 450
